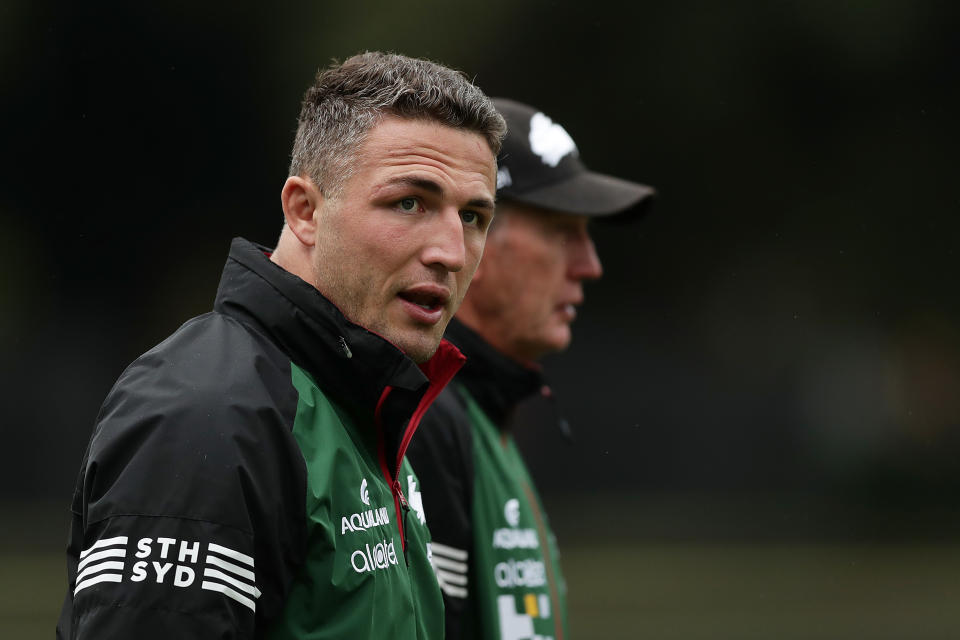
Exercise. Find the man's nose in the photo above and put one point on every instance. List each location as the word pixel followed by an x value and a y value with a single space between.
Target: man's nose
pixel 445 245
pixel 583 263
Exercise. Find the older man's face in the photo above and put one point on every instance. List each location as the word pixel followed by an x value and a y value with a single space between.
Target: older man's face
pixel 397 247
pixel 531 281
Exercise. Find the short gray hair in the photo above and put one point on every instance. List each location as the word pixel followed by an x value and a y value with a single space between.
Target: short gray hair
pixel 348 99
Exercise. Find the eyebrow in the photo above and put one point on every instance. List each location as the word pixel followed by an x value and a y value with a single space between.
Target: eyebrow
pixel 431 186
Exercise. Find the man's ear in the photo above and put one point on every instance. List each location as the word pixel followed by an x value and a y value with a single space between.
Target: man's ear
pixel 301 201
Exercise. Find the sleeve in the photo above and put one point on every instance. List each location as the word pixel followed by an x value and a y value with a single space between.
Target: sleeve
pixel 188 513
pixel 441 453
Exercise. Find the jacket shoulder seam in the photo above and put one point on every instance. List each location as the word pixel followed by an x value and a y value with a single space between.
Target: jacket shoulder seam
pixel 165 515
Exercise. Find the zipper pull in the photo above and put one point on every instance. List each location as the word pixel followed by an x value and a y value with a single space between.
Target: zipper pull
pixel 406 509
pixel 403 499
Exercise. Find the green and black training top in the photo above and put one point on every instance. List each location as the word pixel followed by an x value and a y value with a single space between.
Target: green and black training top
pixel 246 478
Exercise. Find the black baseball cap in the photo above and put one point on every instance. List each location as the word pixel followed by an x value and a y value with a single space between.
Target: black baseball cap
pixel 539 165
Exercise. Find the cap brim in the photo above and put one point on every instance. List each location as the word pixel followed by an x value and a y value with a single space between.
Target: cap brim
pixel 589 194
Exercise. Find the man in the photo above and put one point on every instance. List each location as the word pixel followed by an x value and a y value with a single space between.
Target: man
pixel 495 556
pixel 246 477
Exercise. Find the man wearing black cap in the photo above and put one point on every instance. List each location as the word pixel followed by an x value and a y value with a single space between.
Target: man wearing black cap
pixel 493 551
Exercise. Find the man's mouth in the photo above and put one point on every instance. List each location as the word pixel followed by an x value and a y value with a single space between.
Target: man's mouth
pixel 425 303
pixel 567 310
pixel 424 299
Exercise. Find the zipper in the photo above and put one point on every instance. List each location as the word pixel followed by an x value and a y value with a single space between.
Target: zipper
pixel 545 545
pixel 402 501
pixel 400 504
pixel 548 561
pixel 438 380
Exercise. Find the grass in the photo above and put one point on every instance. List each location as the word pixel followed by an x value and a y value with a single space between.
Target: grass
pixel 32 586
pixel 772 591
pixel 689 592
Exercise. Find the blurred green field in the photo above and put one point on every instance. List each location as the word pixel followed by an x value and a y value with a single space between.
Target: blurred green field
pixel 32 586
pixel 689 592
pixel 774 591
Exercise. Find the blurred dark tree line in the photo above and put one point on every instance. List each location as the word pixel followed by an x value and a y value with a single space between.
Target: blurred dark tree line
pixel 784 321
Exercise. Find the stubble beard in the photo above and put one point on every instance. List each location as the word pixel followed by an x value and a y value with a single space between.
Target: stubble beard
pixel 348 296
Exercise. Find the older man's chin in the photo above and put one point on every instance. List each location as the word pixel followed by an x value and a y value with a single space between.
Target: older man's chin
pixel 554 340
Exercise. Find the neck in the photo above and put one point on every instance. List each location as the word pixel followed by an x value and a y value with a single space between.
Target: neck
pixel 486 330
pixel 293 256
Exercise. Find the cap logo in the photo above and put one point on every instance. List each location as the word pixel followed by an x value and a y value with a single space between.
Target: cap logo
pixel 549 140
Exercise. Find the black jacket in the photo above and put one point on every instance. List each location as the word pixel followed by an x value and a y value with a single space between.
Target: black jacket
pixel 249 463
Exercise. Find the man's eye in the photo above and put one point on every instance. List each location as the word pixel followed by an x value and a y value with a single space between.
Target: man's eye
pixel 409 205
pixel 470 217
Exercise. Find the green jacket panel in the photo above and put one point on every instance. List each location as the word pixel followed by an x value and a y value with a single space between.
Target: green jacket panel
pixel 518 583
pixel 357 581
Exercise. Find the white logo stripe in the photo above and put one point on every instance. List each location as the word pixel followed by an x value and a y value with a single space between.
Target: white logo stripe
pixel 108 542
pixel 443 563
pixel 452 578
pixel 100 555
pixel 232 568
pixel 230 553
pixel 227 591
pixel 544 605
pixel 450 590
pixel 243 586
pixel 450 552
pixel 103 577
pixel 97 568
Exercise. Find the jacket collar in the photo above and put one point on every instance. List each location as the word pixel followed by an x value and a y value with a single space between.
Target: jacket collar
pixel 498 383
pixel 357 368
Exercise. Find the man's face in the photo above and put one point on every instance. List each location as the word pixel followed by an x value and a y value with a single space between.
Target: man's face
pixel 525 293
pixel 397 247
